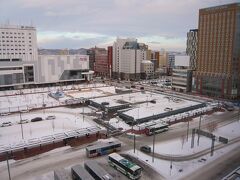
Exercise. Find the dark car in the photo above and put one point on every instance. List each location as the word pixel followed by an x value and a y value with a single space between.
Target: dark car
pixel 145 149
pixel 142 88
pixel 36 119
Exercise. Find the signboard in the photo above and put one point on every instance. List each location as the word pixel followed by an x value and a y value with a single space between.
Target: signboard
pixel 223 140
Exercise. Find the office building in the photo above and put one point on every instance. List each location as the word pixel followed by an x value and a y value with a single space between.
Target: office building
pixel 182 79
pixel 191 50
pixel 218 51
pixel 127 57
pixel 18 55
pixel 101 66
pixel 110 59
pixel 147 69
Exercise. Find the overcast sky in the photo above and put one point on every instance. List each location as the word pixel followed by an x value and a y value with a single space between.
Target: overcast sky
pixel 86 23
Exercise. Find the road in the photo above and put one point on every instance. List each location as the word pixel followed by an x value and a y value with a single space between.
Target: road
pixel 218 168
pixel 40 164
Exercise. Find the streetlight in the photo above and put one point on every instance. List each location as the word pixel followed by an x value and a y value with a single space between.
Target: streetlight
pixel 9 174
pixel 21 124
pixel 153 145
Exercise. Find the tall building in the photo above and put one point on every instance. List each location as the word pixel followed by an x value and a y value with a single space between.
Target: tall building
pixel 192 47
pixel 101 65
pixel 127 57
pixel 18 54
pixel 218 53
pixel 110 59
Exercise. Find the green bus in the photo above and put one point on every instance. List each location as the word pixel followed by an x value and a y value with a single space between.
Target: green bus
pixel 125 166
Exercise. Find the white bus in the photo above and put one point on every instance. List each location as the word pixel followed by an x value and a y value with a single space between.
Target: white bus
pixel 158 128
pixel 125 166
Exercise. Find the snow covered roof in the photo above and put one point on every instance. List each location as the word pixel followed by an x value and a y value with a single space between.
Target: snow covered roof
pixel 146 61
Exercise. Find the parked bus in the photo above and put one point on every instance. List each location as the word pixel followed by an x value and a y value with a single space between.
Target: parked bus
pixel 125 166
pixel 158 128
pixel 97 172
pixel 79 173
pixel 102 149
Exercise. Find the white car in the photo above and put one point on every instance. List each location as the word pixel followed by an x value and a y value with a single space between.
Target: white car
pixel 50 117
pixel 5 124
pixel 24 111
pixel 23 121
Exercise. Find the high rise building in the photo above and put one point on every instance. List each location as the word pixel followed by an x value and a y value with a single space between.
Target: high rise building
pixel 218 52
pixel 110 59
pixel 127 57
pixel 18 54
pixel 101 63
pixel 192 47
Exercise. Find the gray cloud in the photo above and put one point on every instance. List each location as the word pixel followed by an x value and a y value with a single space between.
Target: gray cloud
pixel 166 20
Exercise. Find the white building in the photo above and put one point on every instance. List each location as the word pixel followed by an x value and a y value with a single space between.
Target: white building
pixel 127 57
pixel 18 43
pixel 18 55
pixel 20 64
pixel 182 79
pixel 57 68
pixel 147 69
pixel 182 60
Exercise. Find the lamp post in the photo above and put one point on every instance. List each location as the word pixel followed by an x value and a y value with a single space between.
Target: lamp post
pixel 9 174
pixel 153 145
pixel 21 124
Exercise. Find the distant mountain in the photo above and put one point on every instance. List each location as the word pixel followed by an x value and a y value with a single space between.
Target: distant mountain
pixel 62 51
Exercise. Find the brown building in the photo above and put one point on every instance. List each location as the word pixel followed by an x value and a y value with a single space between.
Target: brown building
pixel 101 66
pixel 110 57
pixel 218 52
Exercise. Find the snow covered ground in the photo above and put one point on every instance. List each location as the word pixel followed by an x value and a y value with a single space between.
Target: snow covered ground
pixel 26 101
pixel 182 145
pixel 66 119
pixel 36 100
pixel 52 88
pixel 183 168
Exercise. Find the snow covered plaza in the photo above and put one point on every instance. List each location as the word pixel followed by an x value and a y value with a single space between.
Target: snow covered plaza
pixel 87 114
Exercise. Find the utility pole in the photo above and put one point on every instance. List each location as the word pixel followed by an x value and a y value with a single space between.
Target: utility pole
pixel 9 174
pixel 83 113
pixel 21 124
pixel 134 138
pixel 153 145
pixel 199 127
pixel 187 129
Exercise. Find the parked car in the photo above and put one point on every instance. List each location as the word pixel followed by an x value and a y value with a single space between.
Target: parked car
pixel 36 119
pixel 24 111
pixel 145 149
pixel 50 117
pixel 5 114
pixel 23 121
pixel 142 88
pixel 4 124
